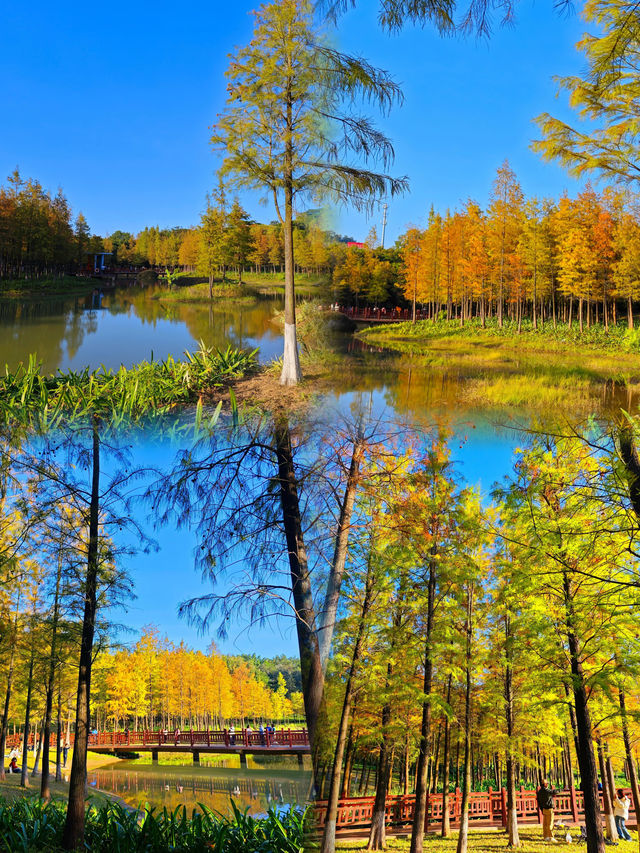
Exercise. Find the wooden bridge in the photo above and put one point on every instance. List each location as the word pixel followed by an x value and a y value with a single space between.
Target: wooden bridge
pixel 240 742
pixel 486 809
pixel 382 315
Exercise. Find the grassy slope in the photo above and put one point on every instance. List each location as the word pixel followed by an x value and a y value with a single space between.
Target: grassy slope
pixel 189 287
pixel 424 336
pixel 484 841
pixel 10 787
pixel 47 286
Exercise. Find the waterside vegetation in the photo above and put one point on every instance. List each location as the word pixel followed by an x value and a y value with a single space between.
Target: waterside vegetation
pixel 29 825
pixel 147 390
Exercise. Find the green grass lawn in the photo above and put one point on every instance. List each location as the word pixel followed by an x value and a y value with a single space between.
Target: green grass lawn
pixel 425 335
pixel 47 286
pixel 11 791
pixel 485 841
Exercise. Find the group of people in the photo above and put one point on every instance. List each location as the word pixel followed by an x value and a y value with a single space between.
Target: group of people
pixel 545 795
pixel 267 734
pixel 16 752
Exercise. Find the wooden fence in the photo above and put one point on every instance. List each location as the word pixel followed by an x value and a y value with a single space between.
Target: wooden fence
pixel 486 809
pixel 188 740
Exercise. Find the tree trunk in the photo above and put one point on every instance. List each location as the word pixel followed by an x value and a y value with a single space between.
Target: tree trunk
pixel 446 821
pixel 586 757
pixel 310 663
pixel 329 834
pixel 291 373
pixel 420 810
pixel 59 734
pixel 37 752
pixel 45 792
pixel 327 618
pixel 631 761
pixel 609 819
pixel 73 836
pixel 7 695
pixel 24 774
pixel 463 835
pixel 512 812
pixel 378 831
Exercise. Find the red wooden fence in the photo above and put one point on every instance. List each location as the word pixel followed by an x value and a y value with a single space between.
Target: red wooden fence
pixel 486 809
pixel 383 315
pixel 293 738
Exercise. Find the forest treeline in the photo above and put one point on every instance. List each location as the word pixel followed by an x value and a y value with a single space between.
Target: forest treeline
pixel 570 260
pixel 488 643
pixel 157 684
pixel 38 235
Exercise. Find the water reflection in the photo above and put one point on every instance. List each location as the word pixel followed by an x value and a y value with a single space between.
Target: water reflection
pixel 176 785
pixel 126 326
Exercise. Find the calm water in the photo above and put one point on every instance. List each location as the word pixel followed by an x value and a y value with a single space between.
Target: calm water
pixel 126 326
pixel 130 324
pixel 213 785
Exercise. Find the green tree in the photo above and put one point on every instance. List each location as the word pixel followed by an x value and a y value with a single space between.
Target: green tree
pixel 239 239
pixel 607 138
pixel 284 131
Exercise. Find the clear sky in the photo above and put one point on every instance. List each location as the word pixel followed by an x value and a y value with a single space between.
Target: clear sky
pixel 113 104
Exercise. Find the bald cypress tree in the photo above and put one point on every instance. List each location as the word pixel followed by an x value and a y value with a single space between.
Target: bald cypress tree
pixel 289 129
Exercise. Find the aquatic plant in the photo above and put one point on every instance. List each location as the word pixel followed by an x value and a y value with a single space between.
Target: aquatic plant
pixel 149 390
pixel 28 825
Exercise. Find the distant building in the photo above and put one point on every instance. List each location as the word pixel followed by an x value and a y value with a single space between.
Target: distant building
pixel 357 245
pixel 98 260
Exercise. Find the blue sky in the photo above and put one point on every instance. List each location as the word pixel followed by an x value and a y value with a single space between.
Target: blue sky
pixel 114 104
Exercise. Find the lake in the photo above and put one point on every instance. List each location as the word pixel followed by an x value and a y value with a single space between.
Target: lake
pixel 214 784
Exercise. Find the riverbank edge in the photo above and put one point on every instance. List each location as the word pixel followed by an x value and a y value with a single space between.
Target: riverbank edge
pixel 10 790
pixel 424 337
pixel 67 286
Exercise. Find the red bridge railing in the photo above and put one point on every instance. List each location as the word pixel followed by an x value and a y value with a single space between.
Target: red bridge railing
pixel 383 315
pixel 486 809
pixel 238 739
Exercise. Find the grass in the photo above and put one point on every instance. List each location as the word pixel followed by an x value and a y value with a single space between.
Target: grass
pixel 11 791
pixel 189 287
pixel 44 286
pixel 193 289
pixel 30 825
pixel 543 371
pixel 482 841
pixel 424 335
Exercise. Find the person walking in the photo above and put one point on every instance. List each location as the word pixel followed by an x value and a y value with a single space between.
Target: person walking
pixel 621 805
pixel 544 796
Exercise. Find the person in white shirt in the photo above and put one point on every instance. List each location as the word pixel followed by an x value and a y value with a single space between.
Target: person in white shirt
pixel 621 813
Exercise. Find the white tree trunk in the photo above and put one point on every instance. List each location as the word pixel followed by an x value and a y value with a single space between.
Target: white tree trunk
pixel 291 373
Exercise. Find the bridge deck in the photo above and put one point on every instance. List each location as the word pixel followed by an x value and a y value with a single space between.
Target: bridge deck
pixel 203 748
pixel 222 741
